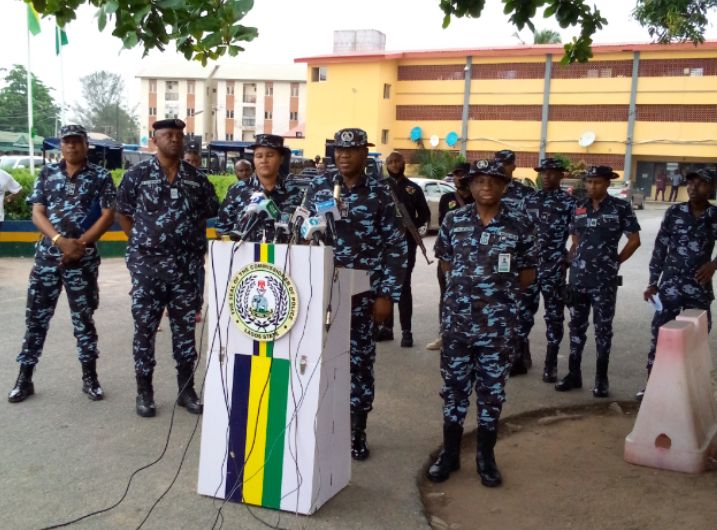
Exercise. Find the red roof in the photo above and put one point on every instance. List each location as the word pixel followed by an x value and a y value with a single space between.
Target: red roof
pixel 501 51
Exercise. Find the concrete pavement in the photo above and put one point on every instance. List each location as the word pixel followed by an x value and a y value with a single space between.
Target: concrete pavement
pixel 63 456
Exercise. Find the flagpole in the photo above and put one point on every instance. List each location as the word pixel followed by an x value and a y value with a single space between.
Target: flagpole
pixel 31 144
pixel 58 37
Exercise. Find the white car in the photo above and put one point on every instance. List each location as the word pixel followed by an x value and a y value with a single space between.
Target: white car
pixel 19 161
pixel 432 189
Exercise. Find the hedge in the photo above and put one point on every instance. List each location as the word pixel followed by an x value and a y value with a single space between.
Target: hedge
pixel 18 209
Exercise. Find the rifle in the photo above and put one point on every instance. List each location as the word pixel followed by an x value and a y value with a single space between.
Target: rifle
pixel 406 219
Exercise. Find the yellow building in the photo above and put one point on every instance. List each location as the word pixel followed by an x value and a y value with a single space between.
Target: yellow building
pixel 643 109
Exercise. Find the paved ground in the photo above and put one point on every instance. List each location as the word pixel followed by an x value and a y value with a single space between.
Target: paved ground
pixel 63 456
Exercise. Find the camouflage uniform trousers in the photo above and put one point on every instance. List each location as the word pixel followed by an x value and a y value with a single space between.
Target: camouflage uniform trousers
pixel 552 289
pixel 47 279
pixel 149 298
pixel 602 300
pixel 363 352
pixel 483 363
pixel 675 300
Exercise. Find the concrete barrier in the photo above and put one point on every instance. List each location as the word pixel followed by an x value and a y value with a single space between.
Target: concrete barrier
pixel 676 427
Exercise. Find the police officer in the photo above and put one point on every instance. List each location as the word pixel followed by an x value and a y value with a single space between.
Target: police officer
pixel 449 202
pixel 488 252
pixel 596 226
pixel 72 206
pixel 368 237
pixel 549 212
pixel 162 205
pixel 514 197
pixel 681 267
pixel 411 196
pixel 269 154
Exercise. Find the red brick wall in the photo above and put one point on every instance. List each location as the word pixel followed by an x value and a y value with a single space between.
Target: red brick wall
pixel 676 67
pixel 435 72
pixel 671 113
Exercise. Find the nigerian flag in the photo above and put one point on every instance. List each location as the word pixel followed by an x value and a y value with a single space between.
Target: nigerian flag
pixel 60 39
pixel 33 19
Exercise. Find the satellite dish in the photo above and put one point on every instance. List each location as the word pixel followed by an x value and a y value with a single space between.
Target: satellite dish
pixel 434 140
pixel 586 139
pixel 416 134
pixel 451 139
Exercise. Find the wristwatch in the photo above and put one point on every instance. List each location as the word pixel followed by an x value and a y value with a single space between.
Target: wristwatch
pixel 55 238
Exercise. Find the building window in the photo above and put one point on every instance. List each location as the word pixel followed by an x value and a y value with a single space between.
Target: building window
pixel 294 116
pixel 294 90
pixel 230 89
pixel 386 91
pixel 696 72
pixel 152 111
pixel 384 136
pixel 606 72
pixel 190 87
pixel 248 118
pixel 230 114
pixel 249 93
pixel 152 86
pixel 190 112
pixel 508 74
pixel 230 136
pixel 171 91
pixel 318 74
pixel 268 115
pixel 269 89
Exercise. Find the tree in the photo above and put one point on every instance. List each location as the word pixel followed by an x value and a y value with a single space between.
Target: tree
pixel 103 109
pixel 546 36
pixel 200 29
pixel 13 104
pixel 667 20
pixel 436 163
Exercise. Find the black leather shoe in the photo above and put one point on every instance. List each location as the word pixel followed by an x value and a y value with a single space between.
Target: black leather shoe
pixel 187 397
pixel 569 382
pixel 359 447
pixel 383 334
pixel 449 459
pixel 550 374
pixel 90 383
pixel 518 367
pixel 485 459
pixel 601 389
pixel 407 339
pixel 550 369
pixel 145 406
pixel 24 387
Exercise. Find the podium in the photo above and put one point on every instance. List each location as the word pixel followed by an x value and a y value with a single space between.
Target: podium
pixel 275 430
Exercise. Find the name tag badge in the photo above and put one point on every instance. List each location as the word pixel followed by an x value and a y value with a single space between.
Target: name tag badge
pixel 174 193
pixel 592 223
pixel 485 238
pixel 344 210
pixel 69 188
pixel 503 262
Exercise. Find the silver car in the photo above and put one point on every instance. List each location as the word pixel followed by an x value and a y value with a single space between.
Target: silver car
pixel 432 189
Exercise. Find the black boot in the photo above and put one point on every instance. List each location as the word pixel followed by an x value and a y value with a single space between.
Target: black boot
pixel 550 370
pixel 406 339
pixel 485 458
pixel 359 449
pixel 527 358
pixel 23 385
pixel 90 384
pixel 449 459
pixel 145 396
pixel 602 386
pixel 383 333
pixel 574 379
pixel 517 366
pixel 187 397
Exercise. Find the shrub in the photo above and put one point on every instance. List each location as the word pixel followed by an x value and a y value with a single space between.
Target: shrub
pixel 18 209
pixel 436 163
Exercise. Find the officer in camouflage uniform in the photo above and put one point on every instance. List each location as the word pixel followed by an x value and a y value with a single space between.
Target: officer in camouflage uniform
pixel 449 202
pixel 269 153
pixel 72 206
pixel 681 267
pixel 549 212
pixel 596 226
pixel 488 252
pixel 411 196
pixel 515 195
pixel 369 237
pixel 162 205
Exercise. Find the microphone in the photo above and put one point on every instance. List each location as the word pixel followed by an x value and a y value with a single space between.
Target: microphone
pixel 297 222
pixel 260 208
pixel 313 228
pixel 283 228
pixel 329 211
pixel 337 188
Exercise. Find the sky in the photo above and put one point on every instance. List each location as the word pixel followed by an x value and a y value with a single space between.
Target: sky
pixel 287 29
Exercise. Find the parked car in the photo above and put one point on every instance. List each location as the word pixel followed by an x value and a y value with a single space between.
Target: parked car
pixel 623 190
pixel 19 161
pixel 432 189
pixel 575 187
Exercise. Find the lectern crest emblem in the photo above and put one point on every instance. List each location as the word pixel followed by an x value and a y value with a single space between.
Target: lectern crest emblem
pixel 262 301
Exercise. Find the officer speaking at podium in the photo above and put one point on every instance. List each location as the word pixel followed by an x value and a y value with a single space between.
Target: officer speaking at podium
pixel 368 237
pixel 241 201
